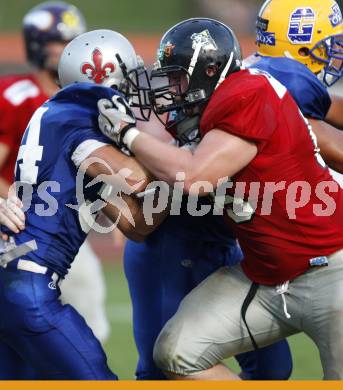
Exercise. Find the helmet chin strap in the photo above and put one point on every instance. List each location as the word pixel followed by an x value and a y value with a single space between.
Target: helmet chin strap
pixel 225 70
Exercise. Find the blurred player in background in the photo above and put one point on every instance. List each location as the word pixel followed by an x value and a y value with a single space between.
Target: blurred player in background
pixel 47 28
pixel 317 48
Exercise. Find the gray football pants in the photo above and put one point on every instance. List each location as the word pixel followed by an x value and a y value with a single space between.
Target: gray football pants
pixel 208 326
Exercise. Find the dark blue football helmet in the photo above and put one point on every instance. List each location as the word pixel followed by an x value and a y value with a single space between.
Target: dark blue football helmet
pixel 194 57
pixel 52 21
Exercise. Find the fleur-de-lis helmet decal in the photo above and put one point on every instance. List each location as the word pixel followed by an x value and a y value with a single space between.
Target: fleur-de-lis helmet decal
pixel 106 58
pixel 97 72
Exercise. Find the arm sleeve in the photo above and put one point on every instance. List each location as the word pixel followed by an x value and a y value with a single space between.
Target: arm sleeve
pixel 85 149
pixel 309 93
pixel 84 135
pixel 311 96
pixel 83 142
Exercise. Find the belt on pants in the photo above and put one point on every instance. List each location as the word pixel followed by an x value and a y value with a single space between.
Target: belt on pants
pixel 31 266
pixel 9 259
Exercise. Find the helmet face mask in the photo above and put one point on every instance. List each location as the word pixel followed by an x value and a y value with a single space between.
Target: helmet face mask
pixel 107 58
pixel 136 88
pixel 194 57
pixel 333 68
pixel 309 31
pixel 174 93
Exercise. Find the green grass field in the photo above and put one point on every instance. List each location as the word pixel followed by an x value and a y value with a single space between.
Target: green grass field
pixel 121 15
pixel 121 350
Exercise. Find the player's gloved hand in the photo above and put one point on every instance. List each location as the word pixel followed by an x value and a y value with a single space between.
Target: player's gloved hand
pixel 115 120
pixel 12 215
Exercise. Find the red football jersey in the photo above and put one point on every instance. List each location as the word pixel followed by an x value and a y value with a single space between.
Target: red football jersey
pixel 281 232
pixel 20 96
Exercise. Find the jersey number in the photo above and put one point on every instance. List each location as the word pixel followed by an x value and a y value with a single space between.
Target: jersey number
pixel 31 152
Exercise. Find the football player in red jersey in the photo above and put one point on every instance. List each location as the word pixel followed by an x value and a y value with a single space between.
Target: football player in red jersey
pixel 284 206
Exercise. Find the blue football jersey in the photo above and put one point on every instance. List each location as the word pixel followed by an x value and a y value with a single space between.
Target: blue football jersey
pixel 310 94
pixel 46 163
pixel 207 228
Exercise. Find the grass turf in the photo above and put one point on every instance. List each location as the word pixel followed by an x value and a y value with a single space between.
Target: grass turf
pixel 121 15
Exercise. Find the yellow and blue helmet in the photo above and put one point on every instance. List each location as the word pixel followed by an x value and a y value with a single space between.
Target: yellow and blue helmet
pixel 309 31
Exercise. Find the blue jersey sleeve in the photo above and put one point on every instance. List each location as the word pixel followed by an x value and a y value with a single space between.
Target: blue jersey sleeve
pixel 80 113
pixel 81 135
pixel 77 147
pixel 310 94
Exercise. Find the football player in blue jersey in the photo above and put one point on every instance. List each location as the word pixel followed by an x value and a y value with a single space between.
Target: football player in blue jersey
pixel 306 61
pixel 46 28
pixel 63 134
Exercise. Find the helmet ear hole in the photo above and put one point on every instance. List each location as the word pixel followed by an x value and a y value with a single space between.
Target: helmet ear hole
pixel 211 70
pixel 304 52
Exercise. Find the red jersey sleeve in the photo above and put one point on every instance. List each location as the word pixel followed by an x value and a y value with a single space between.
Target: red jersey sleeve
pixel 243 105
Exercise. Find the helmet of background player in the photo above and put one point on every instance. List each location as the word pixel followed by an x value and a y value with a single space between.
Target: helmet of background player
pixel 310 31
pixel 106 57
pixel 49 23
pixel 194 57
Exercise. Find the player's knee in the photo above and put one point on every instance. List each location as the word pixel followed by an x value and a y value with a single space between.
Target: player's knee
pixel 163 351
pixel 167 355
pixel 175 353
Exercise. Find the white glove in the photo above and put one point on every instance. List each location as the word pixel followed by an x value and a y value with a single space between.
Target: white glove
pixel 11 214
pixel 115 120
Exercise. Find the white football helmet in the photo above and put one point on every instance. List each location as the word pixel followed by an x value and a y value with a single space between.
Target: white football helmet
pixel 106 57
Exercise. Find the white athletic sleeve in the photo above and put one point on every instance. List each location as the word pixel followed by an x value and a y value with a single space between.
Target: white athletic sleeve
pixel 85 149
